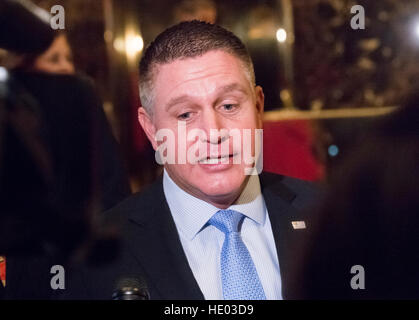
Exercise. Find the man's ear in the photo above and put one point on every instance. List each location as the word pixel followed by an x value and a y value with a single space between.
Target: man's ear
pixel 148 126
pixel 260 103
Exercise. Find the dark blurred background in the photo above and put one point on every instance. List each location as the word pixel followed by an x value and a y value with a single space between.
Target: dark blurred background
pixel 324 82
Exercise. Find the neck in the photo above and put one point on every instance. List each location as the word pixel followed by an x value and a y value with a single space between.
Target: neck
pixel 225 201
pixel 222 201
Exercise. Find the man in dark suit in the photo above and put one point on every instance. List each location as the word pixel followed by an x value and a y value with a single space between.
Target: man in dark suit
pixel 209 228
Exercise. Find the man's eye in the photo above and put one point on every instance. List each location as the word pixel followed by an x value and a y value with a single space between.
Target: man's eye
pixel 228 107
pixel 184 116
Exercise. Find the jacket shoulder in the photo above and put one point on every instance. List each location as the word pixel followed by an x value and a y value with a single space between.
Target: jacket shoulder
pixel 299 192
pixel 139 204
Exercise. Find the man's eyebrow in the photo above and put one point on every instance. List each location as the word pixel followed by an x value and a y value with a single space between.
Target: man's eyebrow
pixel 231 87
pixel 177 100
pixel 220 90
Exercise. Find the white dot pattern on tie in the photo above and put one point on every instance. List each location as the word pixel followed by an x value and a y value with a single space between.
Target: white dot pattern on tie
pixel 239 277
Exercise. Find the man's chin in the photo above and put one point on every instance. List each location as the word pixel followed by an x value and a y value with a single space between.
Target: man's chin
pixel 225 191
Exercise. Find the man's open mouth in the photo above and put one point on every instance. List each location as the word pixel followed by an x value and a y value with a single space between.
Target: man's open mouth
pixel 216 160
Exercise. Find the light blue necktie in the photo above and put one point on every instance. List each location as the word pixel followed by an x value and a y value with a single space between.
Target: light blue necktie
pixel 238 273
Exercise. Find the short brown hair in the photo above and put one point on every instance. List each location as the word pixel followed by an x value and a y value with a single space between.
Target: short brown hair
pixel 188 40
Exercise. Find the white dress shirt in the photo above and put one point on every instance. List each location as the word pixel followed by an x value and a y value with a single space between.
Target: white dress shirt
pixel 202 243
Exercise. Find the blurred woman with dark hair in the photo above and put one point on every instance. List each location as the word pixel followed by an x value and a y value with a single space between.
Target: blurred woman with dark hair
pixel 58 58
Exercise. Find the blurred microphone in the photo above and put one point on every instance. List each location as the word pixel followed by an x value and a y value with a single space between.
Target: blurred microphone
pixel 131 289
pixel 24 27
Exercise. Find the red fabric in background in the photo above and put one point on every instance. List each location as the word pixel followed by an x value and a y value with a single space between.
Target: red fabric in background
pixel 3 270
pixel 287 150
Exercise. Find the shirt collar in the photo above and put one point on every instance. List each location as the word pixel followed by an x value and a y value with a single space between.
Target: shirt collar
pixel 191 214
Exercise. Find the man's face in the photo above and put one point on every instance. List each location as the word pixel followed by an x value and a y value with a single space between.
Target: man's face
pixel 208 92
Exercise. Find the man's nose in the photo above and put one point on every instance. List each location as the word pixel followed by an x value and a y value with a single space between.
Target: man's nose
pixel 213 125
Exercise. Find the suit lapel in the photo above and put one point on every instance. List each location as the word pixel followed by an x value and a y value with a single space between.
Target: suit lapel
pixel 279 198
pixel 161 256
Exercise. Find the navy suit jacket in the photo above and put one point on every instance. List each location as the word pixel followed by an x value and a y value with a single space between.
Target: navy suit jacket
pixel 150 247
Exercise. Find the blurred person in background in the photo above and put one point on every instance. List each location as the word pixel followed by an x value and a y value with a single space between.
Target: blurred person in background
pixel 369 220
pixel 58 58
pixel 59 163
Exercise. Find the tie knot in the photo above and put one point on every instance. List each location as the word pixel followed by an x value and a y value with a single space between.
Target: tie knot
pixel 226 220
